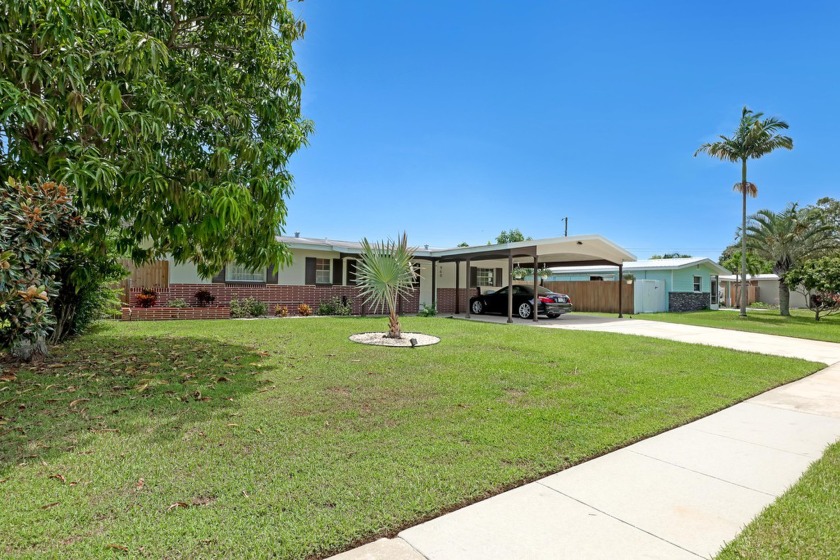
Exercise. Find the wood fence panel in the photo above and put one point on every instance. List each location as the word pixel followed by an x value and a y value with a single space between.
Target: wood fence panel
pixel 595 295
pixel 153 275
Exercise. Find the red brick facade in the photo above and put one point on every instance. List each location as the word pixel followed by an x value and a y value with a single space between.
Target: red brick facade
pixel 169 313
pixel 289 296
pixel 446 299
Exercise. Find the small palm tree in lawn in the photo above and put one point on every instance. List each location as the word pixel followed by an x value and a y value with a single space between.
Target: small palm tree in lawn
pixel 753 138
pixel 787 239
pixel 385 273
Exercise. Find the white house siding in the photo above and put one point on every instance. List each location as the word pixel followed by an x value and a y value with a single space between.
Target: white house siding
pixel 185 273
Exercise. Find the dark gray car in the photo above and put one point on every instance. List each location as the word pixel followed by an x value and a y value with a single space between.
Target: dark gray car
pixel 551 303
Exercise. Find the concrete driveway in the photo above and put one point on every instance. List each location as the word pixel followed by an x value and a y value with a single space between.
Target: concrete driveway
pixel 679 495
pixel 813 350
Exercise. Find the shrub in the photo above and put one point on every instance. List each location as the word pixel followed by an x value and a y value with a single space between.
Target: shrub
pixel 179 303
pixel 427 311
pixel 203 297
pixel 34 221
pixel 146 298
pixel 304 310
pixel 281 311
pixel 336 306
pixel 248 307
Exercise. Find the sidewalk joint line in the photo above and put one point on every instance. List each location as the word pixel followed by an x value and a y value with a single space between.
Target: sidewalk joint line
pixel 806 455
pixel 414 548
pixel 704 474
pixel 620 520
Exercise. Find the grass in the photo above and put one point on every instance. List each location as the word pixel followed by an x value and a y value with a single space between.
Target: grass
pixel 282 438
pixel 802 524
pixel 800 324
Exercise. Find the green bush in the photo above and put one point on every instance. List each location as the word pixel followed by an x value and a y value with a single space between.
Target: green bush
pixel 336 306
pixel 248 307
pixel 179 303
pixel 427 311
pixel 34 221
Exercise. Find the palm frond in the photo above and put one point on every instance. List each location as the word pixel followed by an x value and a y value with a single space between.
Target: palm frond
pixel 385 272
pixel 752 190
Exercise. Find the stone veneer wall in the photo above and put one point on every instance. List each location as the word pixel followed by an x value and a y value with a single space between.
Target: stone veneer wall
pixel 688 301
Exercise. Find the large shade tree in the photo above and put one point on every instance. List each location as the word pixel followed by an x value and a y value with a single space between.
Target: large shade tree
pixel 787 239
pixel 755 137
pixel 174 121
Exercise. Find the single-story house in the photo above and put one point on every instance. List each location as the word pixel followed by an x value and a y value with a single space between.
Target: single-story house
pixel 760 287
pixel 322 269
pixel 683 284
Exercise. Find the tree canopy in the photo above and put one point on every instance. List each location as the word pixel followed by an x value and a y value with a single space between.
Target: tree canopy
pixel 674 255
pixel 787 239
pixel 511 236
pixel 820 280
pixel 174 120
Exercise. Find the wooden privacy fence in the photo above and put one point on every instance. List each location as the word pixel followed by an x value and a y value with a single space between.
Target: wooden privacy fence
pixel 594 295
pixel 153 275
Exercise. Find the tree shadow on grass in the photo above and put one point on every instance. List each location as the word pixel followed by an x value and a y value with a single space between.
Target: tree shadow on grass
pixel 155 385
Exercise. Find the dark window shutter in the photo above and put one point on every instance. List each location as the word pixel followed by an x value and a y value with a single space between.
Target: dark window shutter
pixel 498 278
pixel 220 277
pixel 309 278
pixel 351 272
pixel 473 276
pixel 272 275
pixel 338 271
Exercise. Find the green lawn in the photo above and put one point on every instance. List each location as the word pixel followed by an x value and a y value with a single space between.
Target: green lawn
pixel 283 438
pixel 800 324
pixel 802 524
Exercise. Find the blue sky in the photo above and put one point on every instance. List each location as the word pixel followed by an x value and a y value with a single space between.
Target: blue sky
pixel 456 120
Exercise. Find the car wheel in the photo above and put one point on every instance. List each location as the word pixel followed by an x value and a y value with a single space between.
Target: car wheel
pixel 477 307
pixel 553 315
pixel 525 311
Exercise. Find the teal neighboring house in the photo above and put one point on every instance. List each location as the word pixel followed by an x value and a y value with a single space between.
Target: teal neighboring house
pixel 686 284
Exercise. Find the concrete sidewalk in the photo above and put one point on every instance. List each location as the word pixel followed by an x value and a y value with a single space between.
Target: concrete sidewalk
pixel 681 494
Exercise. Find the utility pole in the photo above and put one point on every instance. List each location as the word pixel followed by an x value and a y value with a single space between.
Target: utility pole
pixel 566 230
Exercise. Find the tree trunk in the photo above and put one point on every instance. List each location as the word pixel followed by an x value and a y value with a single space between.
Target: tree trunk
pixel 744 238
pixel 394 326
pixel 784 298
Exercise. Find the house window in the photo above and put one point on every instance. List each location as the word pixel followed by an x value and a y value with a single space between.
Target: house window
pixel 698 284
pixel 596 278
pixel 485 277
pixel 322 271
pixel 240 273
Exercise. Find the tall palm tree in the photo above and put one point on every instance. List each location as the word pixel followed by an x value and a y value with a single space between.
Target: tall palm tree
pixel 385 273
pixel 787 239
pixel 753 138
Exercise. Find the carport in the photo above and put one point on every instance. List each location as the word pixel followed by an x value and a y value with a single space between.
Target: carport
pixel 581 250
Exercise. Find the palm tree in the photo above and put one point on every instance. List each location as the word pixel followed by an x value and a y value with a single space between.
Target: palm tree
pixel 753 139
pixel 385 273
pixel 787 239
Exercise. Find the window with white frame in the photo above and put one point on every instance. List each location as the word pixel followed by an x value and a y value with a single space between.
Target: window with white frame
pixel 698 283
pixel 240 273
pixel 322 271
pixel 485 277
